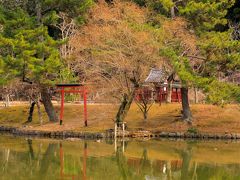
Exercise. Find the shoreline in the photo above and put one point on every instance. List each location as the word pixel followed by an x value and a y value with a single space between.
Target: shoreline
pixel 109 134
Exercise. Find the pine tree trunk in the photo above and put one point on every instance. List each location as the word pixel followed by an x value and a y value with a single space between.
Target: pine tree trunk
pixel 39 111
pixel 46 100
pixel 187 115
pixel 124 107
pixel 30 116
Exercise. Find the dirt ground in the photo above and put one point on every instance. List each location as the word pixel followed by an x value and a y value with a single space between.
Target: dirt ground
pixel 165 117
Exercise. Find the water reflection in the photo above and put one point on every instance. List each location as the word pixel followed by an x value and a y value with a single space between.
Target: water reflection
pixel 52 159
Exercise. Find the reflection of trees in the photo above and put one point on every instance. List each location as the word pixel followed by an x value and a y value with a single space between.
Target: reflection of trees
pixel 6 155
pixel 33 160
pixel 144 163
pixel 29 141
pixel 48 158
pixel 195 170
pixel 186 155
pixel 122 163
pixel 134 171
pixel 186 159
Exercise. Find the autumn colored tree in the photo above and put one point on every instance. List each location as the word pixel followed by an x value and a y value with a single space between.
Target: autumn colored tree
pixel 116 49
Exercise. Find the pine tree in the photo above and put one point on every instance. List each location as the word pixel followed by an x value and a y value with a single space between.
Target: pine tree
pixel 29 53
pixel 219 52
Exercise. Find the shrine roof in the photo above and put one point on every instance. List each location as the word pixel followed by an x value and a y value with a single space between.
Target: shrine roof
pixel 157 76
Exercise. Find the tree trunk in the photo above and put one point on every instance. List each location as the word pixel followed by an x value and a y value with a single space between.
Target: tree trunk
pixel 39 111
pixel 196 95
pixel 169 93
pixel 46 100
pixel 145 115
pixel 173 12
pixel 7 100
pixel 30 116
pixel 187 115
pixel 38 11
pixel 124 107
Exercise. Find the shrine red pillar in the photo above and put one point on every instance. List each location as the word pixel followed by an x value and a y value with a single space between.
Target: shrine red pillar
pixel 62 105
pixel 85 105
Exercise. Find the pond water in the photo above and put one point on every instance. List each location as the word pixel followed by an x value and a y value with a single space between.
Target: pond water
pixel 24 158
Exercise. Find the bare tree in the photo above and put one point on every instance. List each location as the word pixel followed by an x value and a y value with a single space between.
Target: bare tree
pixel 144 101
pixel 68 28
pixel 112 53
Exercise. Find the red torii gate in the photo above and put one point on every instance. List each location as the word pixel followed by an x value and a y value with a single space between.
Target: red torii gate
pixel 72 88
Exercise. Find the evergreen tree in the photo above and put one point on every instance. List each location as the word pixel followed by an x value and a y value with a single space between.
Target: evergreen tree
pixel 218 50
pixel 29 41
pixel 28 52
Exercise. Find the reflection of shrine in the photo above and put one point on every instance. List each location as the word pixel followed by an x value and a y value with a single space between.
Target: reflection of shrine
pixel 70 175
pixel 138 167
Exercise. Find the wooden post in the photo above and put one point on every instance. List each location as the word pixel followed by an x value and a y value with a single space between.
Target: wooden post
pixel 85 105
pixel 62 105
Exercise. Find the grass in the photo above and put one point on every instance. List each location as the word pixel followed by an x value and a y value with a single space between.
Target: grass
pixel 165 117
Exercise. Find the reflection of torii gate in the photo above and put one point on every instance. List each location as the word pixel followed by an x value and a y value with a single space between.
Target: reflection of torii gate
pixel 84 169
pixel 72 88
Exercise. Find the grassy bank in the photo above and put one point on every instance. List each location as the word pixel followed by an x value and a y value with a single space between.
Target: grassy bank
pixel 207 118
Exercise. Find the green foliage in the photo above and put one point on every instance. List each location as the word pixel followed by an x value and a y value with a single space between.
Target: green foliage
pixel 220 93
pixel 192 130
pixel 159 6
pixel 26 48
pixel 67 76
pixel 222 52
pixel 217 92
pixel 205 15
pixel 182 67
pixel 14 21
pixel 72 8
pixel 202 15
pixel 27 51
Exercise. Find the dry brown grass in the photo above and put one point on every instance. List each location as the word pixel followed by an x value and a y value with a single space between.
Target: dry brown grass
pixel 207 118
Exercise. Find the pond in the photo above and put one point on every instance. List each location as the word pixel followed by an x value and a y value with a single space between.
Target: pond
pixel 25 158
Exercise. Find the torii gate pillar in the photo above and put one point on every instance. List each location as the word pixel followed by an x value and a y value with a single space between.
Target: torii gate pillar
pixel 73 88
